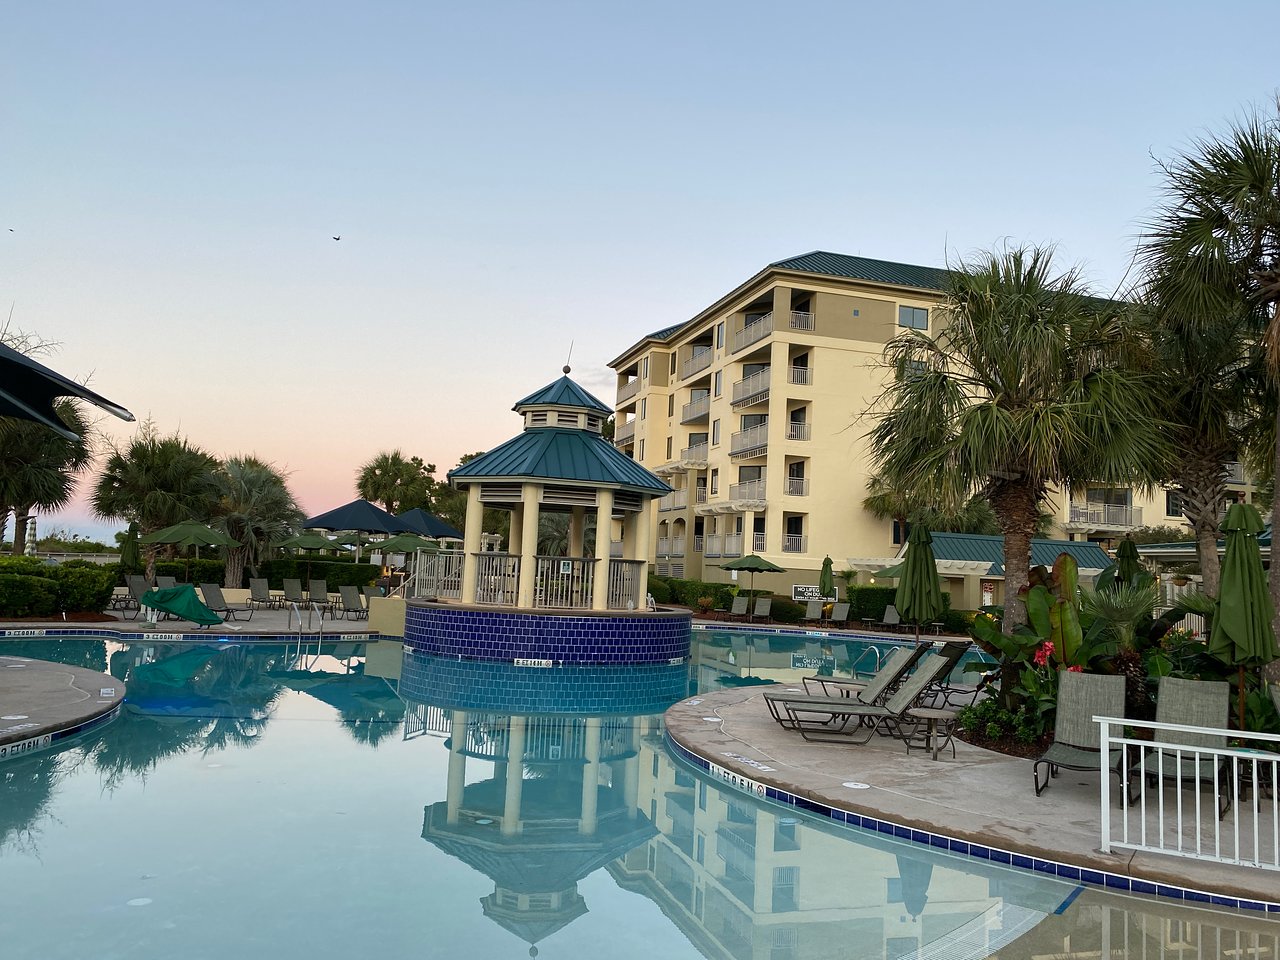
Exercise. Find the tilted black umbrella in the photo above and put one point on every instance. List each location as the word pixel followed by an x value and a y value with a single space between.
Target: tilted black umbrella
pixel 358 515
pixel 429 525
pixel 28 390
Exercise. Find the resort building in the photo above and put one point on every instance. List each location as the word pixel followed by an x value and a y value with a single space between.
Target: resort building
pixel 755 412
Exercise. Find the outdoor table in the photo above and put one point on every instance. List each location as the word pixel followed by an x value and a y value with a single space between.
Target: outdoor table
pixel 938 721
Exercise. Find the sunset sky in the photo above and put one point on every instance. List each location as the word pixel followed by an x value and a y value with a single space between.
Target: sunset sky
pixel 508 178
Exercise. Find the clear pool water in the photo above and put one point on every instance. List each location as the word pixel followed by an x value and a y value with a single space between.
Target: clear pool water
pixel 272 802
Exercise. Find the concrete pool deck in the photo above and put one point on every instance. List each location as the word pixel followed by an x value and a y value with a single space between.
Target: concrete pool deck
pixel 980 797
pixel 42 703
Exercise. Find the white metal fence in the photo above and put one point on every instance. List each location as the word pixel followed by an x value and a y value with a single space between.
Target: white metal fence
pixel 497 578
pixel 625 586
pixel 1216 803
pixel 563 582
pixel 437 575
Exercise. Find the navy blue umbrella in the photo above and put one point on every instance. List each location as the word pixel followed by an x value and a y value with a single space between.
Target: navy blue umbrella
pixel 28 391
pixel 429 525
pixel 360 515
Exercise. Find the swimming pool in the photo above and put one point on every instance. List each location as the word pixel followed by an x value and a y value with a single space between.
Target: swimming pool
pixel 256 801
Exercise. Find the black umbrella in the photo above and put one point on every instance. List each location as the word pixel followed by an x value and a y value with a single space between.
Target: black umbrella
pixel 359 515
pixel 28 391
pixel 429 525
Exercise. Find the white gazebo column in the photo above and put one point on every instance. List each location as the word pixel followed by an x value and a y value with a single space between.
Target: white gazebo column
pixel 515 517
pixel 577 532
pixel 630 535
pixel 604 522
pixel 457 765
pixel 530 495
pixel 590 779
pixel 515 777
pixel 471 543
pixel 644 545
pixel 631 773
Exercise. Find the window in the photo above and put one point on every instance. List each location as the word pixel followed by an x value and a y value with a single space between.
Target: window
pixel 1172 504
pixel 917 318
pixel 700 850
pixel 715 482
pixel 715 432
pixel 644 407
pixel 901 530
pixel 645 374
pixel 719 381
pixel 671 405
pixel 668 448
pixel 640 455
pixel 673 362
pixel 720 335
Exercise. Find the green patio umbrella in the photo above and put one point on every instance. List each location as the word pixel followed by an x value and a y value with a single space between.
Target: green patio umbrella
pixel 309 542
pixel 130 556
pixel 1242 635
pixel 1128 565
pixel 403 543
pixel 827 579
pixel 753 563
pixel 189 533
pixel 919 596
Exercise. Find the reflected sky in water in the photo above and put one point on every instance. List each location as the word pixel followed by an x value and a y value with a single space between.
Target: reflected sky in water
pixel 265 801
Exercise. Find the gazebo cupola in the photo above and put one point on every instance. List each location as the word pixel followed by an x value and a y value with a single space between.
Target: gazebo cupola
pixel 560 464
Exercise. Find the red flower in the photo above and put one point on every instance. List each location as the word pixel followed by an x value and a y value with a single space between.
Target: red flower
pixel 1043 653
pixel 1075 669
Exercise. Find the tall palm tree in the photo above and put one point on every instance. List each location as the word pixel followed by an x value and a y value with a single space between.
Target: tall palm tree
pixel 1026 385
pixel 156 481
pixel 1216 239
pixel 397 483
pixel 256 508
pixel 886 502
pixel 39 468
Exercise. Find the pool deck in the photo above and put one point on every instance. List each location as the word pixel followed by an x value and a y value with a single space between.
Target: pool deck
pixel 42 702
pixel 980 797
pixel 270 623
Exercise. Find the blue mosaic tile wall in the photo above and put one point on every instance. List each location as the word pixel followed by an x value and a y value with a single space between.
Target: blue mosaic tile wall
pixel 634 690
pixel 508 635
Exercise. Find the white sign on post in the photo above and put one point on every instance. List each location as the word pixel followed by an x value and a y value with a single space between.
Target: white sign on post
pixel 803 592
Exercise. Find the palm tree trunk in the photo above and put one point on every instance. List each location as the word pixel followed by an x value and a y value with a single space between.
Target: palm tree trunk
pixel 1272 670
pixel 20 518
pixel 1202 489
pixel 150 572
pixel 1017 508
pixel 234 574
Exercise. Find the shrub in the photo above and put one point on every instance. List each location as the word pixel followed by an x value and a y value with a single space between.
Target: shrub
pixel 660 589
pixel 336 574
pixel 786 611
pixel 201 571
pixel 869 602
pixel 22 595
pixel 689 592
pixel 82 588
pixel 705 604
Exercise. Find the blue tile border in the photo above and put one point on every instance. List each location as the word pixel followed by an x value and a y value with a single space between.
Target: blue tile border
pixel 1020 861
pixel 164 636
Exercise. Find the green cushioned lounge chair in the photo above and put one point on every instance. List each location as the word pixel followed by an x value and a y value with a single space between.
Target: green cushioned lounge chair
pixel 1077 740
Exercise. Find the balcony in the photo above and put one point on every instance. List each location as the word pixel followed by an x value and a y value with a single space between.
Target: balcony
pixel 751 390
pixel 797 486
pixel 675 500
pixel 696 410
pixel 615 549
pixel 800 375
pixel 624 433
pixel 1100 516
pixel 753 332
pixel 697 452
pixel 700 360
pixel 795 544
pixel 803 321
pixel 677 546
pixel 664 546
pixel 750 490
pixel 699 494
pixel 750 442
pixel 798 431
pixel 732 545
pixel 628 390
pixel 758 542
pixel 711 545
pixel 697 543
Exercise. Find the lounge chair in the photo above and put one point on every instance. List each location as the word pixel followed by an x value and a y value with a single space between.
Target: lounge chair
pixel 371 591
pixel 762 608
pixel 875 688
pixel 352 606
pixel 1191 703
pixel 738 610
pixel 967 694
pixel 214 600
pixel 953 651
pixel 890 618
pixel 293 592
pixel 260 595
pixel 813 611
pixel 848 720
pixel 166 583
pixel 138 586
pixel 319 595
pixel 839 615
pixel 1077 740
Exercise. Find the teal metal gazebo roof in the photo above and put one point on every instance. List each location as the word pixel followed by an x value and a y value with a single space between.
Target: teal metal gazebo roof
pixel 556 453
pixel 975 547
pixel 563 393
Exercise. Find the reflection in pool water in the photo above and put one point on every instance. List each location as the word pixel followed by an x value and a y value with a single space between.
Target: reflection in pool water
pixel 264 801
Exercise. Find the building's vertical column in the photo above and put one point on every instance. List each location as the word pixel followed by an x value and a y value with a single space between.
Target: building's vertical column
pixel 515 777
pixel 530 495
pixel 604 523
pixel 457 764
pixel 749 532
pixel 514 539
pixel 775 471
pixel 577 532
pixel 590 779
pixel 631 773
pixel 630 535
pixel 471 543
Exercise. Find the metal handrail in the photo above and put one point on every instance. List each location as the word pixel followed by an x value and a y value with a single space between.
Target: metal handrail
pixel 874 650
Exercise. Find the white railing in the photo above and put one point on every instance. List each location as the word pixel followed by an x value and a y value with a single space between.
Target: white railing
pixel 497 578
pixel 800 375
pixel 751 389
pixel 1106 514
pixel 756 330
pixel 664 546
pixel 797 431
pixel 748 490
pixel 628 389
pixel 697 452
pixel 758 542
pixel 675 500
pixel 624 432
pixel 563 582
pixel 1234 472
pixel 711 545
pixel 700 360
pixel 1217 803
pixel 802 321
pixel 697 543
pixel 696 409
pixel 797 486
pixel 732 545
pixel 753 438
pixel 677 546
pixel 699 494
pixel 794 544
pixel 438 575
pixel 626 587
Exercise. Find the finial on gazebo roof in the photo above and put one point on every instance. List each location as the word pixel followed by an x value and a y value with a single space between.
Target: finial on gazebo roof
pixel 567 369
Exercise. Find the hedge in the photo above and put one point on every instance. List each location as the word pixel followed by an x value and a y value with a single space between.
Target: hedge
pixel 660 589
pixel 867 603
pixel 342 573
pixel 199 571
pixel 31 588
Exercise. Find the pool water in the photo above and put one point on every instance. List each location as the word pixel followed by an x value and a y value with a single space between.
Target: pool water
pixel 263 801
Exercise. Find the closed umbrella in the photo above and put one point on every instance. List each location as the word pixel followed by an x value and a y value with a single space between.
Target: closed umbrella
pixel 130 557
pixel 827 579
pixel 189 533
pixel 919 595
pixel 1127 563
pixel 1242 635
pixel 753 563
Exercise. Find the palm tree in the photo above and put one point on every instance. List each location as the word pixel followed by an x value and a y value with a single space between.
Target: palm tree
pixel 885 502
pixel 1216 240
pixel 155 482
pixel 396 483
pixel 38 467
pixel 1028 384
pixel 255 508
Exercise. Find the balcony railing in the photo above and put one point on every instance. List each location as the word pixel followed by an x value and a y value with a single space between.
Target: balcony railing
pixel 615 548
pixel 752 389
pixel 624 432
pixel 749 441
pixel 758 542
pixel 675 500
pixel 797 486
pixel 802 321
pixel 1235 472
pixel 795 544
pixel 1106 515
pixel 797 431
pixel 800 375
pixel 697 452
pixel 732 545
pixel 698 362
pixel 699 494
pixel 711 545
pixel 697 543
pixel 438 575
pixel 563 582
pixel 753 332
pixel 664 546
pixel 677 546
pixel 497 578
pixel 749 490
pixel 696 409
pixel 628 390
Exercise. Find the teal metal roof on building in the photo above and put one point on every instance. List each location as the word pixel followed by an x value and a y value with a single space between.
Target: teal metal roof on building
pixel 863 268
pixel 666 333
pixel 555 453
pixel 564 393
pixel 974 547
